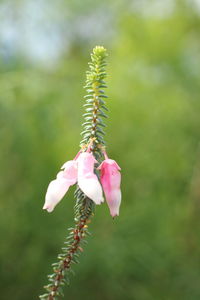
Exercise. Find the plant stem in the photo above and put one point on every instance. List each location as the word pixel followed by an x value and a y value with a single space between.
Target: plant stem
pixel 83 211
pixel 92 140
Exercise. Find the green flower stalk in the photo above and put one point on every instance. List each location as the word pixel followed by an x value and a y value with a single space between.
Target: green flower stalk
pixel 92 171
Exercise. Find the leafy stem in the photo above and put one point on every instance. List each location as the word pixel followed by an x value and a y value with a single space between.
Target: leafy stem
pixel 73 247
pixel 84 207
pixel 95 100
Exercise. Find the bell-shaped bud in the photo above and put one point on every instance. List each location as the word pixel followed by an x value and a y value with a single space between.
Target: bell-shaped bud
pixel 58 187
pixel 110 179
pixel 87 180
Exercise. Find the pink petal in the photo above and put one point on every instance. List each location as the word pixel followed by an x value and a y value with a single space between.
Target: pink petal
pixel 114 200
pixel 70 171
pixel 110 180
pixel 109 163
pixel 87 180
pixel 55 192
pixel 91 188
pixel 86 163
pixel 58 187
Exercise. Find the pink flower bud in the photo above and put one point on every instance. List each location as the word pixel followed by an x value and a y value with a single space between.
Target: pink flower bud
pixel 87 180
pixel 110 180
pixel 58 187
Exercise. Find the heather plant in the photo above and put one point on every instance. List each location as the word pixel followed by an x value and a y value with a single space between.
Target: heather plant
pixel 94 173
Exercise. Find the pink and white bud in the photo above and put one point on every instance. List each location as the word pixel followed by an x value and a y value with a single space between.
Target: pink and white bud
pixel 110 179
pixel 58 187
pixel 87 180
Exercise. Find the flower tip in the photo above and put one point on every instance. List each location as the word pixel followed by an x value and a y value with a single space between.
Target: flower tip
pixel 114 216
pixel 48 208
pixel 98 201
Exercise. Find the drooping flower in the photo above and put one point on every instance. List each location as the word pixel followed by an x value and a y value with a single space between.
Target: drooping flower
pixel 87 180
pixel 110 179
pixel 58 187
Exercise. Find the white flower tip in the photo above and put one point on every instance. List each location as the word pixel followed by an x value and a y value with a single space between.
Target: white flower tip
pixel 98 201
pixel 48 208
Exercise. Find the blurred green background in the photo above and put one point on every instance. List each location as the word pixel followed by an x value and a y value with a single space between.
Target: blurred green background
pixel 152 250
